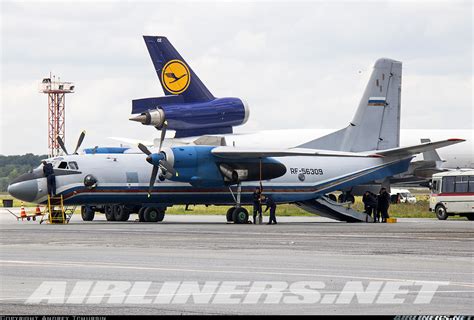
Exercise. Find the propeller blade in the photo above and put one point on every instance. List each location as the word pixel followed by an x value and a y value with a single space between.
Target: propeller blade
pixel 163 133
pixel 61 144
pixel 168 167
pixel 79 142
pixel 144 149
pixel 154 173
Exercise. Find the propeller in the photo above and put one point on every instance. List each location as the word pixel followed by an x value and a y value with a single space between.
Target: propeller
pixel 78 145
pixel 158 160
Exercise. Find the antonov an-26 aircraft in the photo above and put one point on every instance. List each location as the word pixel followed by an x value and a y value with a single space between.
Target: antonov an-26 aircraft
pixel 211 173
pixel 206 174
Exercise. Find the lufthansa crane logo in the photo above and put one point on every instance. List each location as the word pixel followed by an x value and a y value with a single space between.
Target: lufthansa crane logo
pixel 175 76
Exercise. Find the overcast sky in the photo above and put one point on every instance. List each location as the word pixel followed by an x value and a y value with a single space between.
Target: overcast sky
pixel 297 64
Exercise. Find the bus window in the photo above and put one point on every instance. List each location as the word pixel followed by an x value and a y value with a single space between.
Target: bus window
pixel 448 184
pixel 461 184
pixel 471 184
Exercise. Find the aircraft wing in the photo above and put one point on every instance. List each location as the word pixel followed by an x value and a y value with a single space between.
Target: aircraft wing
pixel 246 153
pixel 412 150
pixel 132 142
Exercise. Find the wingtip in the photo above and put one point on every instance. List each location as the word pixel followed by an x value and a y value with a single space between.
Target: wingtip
pixel 457 139
pixel 376 155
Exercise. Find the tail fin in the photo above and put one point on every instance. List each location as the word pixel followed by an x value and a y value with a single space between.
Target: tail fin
pixel 376 124
pixel 176 77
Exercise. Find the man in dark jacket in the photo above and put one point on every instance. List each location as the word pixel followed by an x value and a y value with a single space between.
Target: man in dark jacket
pixel 272 206
pixel 370 203
pixel 383 202
pixel 48 172
pixel 257 204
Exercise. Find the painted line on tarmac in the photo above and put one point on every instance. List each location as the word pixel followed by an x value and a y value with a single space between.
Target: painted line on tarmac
pixel 130 267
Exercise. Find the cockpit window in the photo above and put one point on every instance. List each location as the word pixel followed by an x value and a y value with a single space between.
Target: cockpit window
pixel 73 165
pixel 63 165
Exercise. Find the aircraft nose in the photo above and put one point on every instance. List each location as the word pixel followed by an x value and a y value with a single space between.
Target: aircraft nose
pixel 26 190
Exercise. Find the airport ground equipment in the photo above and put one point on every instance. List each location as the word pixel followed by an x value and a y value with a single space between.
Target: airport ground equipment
pixel 28 216
pixel 57 212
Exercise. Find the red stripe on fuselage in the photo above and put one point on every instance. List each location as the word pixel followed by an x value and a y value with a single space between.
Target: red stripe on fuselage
pixel 453 194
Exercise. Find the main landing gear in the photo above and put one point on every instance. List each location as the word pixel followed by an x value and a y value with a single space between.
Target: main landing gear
pixel 118 212
pixel 237 214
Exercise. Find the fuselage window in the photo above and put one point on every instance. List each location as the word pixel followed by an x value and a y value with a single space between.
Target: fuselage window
pixel 62 165
pixel 73 165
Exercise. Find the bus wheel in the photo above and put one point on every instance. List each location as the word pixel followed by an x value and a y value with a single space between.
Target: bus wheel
pixel 229 214
pixel 441 212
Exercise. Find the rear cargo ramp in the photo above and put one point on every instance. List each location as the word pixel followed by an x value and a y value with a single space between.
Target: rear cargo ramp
pixel 330 209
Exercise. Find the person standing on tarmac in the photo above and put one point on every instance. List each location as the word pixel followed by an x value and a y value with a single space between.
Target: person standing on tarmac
pixel 48 172
pixel 370 203
pixel 383 202
pixel 257 204
pixel 272 206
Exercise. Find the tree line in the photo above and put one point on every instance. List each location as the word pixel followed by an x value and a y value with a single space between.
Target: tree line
pixel 13 166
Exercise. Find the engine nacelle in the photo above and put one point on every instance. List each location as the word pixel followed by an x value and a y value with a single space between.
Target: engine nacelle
pixel 195 165
pixel 189 118
pixel 198 166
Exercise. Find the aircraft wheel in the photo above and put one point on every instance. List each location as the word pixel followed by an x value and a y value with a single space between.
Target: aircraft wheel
pixel 28 219
pixel 87 213
pixel 240 215
pixel 121 213
pixel 229 214
pixel 441 212
pixel 332 197
pixel 141 216
pixel 109 213
pixel 161 214
pixel 151 214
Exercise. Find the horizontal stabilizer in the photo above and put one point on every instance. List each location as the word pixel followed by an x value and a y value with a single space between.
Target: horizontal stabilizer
pixel 412 150
pixel 243 153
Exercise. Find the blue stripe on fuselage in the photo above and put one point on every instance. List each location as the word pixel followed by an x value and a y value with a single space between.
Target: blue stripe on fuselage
pixel 221 195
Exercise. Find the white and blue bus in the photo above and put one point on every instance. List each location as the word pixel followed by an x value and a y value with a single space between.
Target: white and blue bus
pixel 452 192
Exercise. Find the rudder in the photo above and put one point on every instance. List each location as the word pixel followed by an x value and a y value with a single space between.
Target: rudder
pixel 175 75
pixel 376 124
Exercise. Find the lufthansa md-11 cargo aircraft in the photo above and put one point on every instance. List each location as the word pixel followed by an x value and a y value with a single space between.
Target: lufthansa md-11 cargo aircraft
pixel 211 173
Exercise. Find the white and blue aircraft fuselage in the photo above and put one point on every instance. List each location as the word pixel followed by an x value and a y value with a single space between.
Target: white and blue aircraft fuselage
pixel 211 175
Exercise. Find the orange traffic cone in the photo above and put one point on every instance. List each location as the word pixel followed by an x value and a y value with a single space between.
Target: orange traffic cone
pixel 22 211
pixel 38 210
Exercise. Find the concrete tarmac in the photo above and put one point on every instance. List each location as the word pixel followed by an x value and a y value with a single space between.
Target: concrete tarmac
pixel 205 248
